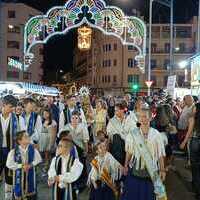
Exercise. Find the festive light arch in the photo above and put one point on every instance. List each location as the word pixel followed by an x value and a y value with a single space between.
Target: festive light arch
pixel 109 19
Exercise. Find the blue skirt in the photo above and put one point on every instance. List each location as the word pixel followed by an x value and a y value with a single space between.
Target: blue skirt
pixel 138 189
pixel 102 193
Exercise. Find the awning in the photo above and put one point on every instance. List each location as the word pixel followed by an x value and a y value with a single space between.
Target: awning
pixel 22 88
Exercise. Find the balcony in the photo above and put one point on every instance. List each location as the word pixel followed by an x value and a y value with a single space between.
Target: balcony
pixel 167 51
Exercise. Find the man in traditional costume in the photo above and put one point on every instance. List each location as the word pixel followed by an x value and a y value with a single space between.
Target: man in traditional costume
pixel 9 125
pixel 66 114
pixel 145 153
pixel 80 136
pixel 23 160
pixel 64 170
pixel 117 130
pixel 104 173
pixel 32 121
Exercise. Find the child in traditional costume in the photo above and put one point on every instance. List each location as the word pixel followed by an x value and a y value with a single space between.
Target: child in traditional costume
pixel 145 153
pixel 104 174
pixel 9 125
pixel 64 170
pixel 23 160
pixel 32 121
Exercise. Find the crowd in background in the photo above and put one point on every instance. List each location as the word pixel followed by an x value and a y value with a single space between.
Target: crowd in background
pixel 65 136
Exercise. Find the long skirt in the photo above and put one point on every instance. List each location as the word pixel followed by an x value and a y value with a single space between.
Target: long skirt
pixel 138 189
pixel 102 193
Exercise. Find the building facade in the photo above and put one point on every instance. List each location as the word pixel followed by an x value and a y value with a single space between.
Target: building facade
pixel 13 17
pixel 113 67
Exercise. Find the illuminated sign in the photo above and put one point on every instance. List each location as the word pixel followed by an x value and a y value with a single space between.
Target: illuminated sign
pixel 84 38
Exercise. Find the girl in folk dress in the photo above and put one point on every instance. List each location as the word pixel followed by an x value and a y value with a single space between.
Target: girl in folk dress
pixel 104 174
pixel 48 135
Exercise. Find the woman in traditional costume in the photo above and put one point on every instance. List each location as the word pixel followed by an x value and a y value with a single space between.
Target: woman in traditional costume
pixel 64 170
pixel 145 152
pixel 104 173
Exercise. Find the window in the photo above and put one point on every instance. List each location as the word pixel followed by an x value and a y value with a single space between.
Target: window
pixel 27 76
pixel 130 62
pixel 183 31
pixel 105 79
pixel 102 79
pixel 165 32
pixel 130 78
pixel 136 79
pixel 167 47
pixel 153 63
pixel 115 62
pixel 108 78
pixel 166 63
pixel 153 47
pixel 12 74
pixel 115 47
pixel 114 78
pixel 13 29
pixel 109 47
pixel 11 14
pixel 13 44
pixel 109 63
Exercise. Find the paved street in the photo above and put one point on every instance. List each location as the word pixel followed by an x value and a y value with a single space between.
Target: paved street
pixel 177 183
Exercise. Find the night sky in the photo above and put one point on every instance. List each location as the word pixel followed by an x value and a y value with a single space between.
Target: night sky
pixel 59 49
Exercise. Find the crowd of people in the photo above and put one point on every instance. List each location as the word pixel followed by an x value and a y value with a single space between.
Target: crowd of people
pixel 120 147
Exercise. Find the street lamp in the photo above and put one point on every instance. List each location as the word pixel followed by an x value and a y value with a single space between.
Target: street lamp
pixel 169 4
pixel 58 71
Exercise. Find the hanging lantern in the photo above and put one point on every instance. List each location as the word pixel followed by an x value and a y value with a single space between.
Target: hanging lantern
pixel 84 38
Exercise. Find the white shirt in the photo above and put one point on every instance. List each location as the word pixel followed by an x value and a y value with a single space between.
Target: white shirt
pixel 79 134
pixel 115 126
pixel 5 124
pixel 38 127
pixel 154 142
pixel 65 177
pixel 11 164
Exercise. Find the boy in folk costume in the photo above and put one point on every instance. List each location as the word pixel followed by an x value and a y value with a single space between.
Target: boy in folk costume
pixel 64 170
pixel 32 120
pixel 145 153
pixel 104 174
pixel 80 136
pixel 23 160
pixel 66 114
pixel 9 125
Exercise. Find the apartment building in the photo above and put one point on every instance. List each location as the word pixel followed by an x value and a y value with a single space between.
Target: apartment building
pixel 13 17
pixel 113 68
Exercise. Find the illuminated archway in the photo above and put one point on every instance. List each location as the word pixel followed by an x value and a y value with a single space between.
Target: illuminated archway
pixel 109 19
